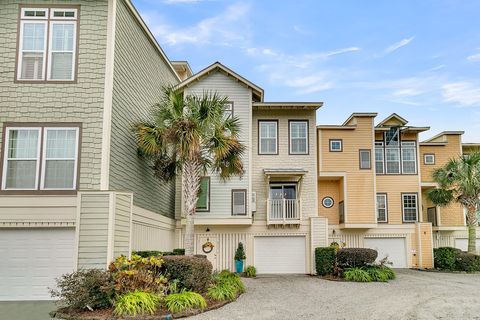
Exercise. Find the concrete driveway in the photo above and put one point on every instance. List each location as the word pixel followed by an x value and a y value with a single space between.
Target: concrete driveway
pixel 413 295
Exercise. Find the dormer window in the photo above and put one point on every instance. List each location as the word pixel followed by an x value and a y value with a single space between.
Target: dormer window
pixel 394 156
pixel 392 137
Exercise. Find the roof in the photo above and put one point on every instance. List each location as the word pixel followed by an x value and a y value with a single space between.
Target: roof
pixel 217 66
pixel 336 127
pixel 443 133
pixel 295 171
pixel 183 66
pixel 359 115
pixel 393 116
pixel 287 105
pixel 470 144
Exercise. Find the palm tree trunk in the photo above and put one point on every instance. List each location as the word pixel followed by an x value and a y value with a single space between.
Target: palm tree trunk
pixel 190 184
pixel 472 222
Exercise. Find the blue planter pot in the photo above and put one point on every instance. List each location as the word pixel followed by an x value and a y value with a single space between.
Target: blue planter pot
pixel 239 266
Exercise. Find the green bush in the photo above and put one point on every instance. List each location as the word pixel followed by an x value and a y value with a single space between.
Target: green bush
pixel 240 252
pixel 156 253
pixel 250 272
pixel 379 274
pixel 85 289
pixel 137 303
pixel 467 262
pixel 192 273
pixel 183 301
pixel 355 257
pixel 231 278
pixel 444 258
pixel 178 252
pixel 357 275
pixel 222 291
pixel 325 260
pixel 388 272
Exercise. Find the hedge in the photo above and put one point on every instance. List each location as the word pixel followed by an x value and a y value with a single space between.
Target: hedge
pixel 453 259
pixel 324 260
pixel 355 257
pixel 150 253
pixel 193 273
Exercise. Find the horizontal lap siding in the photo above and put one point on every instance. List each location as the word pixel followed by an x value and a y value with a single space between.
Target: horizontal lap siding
pixel 139 74
pixel 225 86
pixel 151 231
pixel 394 186
pixel 329 188
pixel 72 102
pixel 122 225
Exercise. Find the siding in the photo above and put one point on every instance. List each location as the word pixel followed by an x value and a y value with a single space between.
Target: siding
pixel 139 74
pixel 151 231
pixel 80 102
pixel 220 191
pixel 123 213
pixel 329 188
pixel 318 236
pixel 284 160
pixel 360 197
pixel 426 245
pixel 394 186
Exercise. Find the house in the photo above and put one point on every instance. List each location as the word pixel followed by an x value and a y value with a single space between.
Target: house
pixel 272 208
pixel 73 192
pixel 372 185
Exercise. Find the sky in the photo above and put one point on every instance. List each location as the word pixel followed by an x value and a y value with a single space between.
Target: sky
pixel 420 59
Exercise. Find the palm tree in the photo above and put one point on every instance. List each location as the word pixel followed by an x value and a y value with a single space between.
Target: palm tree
pixel 459 181
pixel 190 136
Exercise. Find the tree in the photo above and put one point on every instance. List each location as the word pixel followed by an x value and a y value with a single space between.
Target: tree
pixel 190 135
pixel 459 181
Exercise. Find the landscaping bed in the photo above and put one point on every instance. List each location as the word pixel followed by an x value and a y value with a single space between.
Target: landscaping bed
pixel 448 259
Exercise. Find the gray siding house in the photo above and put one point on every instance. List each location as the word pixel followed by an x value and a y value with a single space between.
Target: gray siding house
pixel 74 77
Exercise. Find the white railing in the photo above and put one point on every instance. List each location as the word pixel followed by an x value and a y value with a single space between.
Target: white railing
pixel 283 211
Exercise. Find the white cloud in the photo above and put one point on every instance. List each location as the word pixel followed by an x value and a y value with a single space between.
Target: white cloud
pixel 226 28
pixel 441 66
pixel 464 93
pixel 474 57
pixel 397 45
pixel 323 55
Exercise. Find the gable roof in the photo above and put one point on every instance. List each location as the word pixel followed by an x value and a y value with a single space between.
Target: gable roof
pixel 443 133
pixel 217 66
pixel 359 115
pixel 393 116
pixel 279 105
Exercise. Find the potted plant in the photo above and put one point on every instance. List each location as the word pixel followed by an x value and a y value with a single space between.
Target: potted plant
pixel 239 258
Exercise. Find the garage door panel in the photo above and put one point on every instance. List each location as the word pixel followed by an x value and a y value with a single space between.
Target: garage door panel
pixel 32 259
pixel 279 254
pixel 395 248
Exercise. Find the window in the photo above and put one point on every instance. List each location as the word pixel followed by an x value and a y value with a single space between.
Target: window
pixel 228 109
pixel 392 160
pixel 336 145
pixel 327 202
pixel 379 161
pixel 268 135
pixel 341 212
pixel 382 211
pixel 26 168
pixel 298 132
pixel 239 202
pixel 409 207
pixel 392 137
pixel 432 216
pixel 409 157
pixel 38 61
pixel 364 156
pixel 429 158
pixel 203 202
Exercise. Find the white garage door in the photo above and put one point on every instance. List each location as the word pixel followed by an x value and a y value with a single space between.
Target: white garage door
pixel 280 254
pixel 462 244
pixel 393 247
pixel 30 260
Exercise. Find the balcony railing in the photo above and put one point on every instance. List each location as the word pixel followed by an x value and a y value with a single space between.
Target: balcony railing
pixel 284 211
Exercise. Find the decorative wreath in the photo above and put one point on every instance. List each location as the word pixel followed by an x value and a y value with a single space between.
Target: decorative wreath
pixel 207 247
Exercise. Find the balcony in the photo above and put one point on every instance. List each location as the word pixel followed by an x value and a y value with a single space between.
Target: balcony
pixel 284 211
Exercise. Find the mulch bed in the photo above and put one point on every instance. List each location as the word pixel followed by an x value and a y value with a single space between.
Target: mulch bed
pixel 107 314
pixel 331 277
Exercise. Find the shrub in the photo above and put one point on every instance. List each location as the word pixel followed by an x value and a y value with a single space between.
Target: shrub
pixel 240 252
pixel 92 289
pixel 388 272
pixel 325 260
pixel 222 291
pixel 183 301
pixel 467 262
pixel 137 303
pixel 178 252
pixel 355 257
pixel 232 279
pixel 377 274
pixel 250 272
pixel 137 273
pixel 155 253
pixel 191 272
pixel 445 258
pixel 357 275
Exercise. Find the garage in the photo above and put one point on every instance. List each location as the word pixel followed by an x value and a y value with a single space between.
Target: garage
pixel 395 248
pixel 462 244
pixel 280 255
pixel 32 259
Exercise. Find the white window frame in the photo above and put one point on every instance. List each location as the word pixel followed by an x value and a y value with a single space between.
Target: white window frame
pixel 425 157
pixel 44 157
pixel 37 20
pixel 385 202
pixel 290 144
pixel 6 158
pixel 379 146
pixel 228 109
pixel 50 50
pixel 260 122
pixel 23 16
pixel 331 149
pixel 409 145
pixel 369 152
pixel 399 161
pixel 244 192
pixel 53 10
pixel 403 206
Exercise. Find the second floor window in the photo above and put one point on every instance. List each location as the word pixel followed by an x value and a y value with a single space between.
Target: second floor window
pixel 40 158
pixel 47 44
pixel 203 202
pixel 267 137
pixel 409 207
pixel 382 211
pixel 393 156
pixel 298 137
pixel 364 157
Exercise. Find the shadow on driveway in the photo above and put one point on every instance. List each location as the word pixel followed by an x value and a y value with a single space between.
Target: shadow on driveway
pixel 26 310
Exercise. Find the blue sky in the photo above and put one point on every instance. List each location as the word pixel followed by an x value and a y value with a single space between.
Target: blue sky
pixel 420 59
